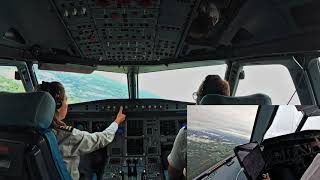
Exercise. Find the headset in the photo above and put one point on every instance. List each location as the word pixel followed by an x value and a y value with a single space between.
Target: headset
pixel 53 92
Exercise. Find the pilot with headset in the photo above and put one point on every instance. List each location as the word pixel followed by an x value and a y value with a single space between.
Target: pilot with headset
pixel 72 142
pixel 212 84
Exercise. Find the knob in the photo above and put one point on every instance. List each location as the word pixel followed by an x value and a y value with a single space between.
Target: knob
pixel 143 175
pixel 121 174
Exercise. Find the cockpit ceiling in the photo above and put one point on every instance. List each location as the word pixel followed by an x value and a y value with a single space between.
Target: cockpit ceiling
pixel 126 30
pixel 158 32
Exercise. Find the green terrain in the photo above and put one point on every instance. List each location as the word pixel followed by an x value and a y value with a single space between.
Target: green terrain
pixel 207 148
pixel 9 85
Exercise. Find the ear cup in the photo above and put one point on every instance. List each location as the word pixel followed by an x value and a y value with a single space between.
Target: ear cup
pixel 53 92
pixel 58 101
pixel 58 104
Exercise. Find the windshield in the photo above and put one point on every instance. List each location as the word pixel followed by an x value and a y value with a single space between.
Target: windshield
pixel 287 120
pixel 8 83
pixel 88 87
pixel 312 123
pixel 272 80
pixel 177 84
pixel 213 132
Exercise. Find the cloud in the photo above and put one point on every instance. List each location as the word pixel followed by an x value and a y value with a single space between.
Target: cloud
pixel 237 120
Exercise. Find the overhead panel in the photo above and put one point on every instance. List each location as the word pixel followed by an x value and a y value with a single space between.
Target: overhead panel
pixel 126 30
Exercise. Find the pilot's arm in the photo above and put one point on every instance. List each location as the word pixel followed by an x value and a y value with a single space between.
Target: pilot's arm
pixel 177 158
pixel 78 142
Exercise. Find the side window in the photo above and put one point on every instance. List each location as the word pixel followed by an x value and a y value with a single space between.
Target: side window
pixel 7 80
pixel 272 80
pixel 312 123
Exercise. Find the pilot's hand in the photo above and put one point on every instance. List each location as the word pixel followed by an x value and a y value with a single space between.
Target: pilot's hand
pixel 266 176
pixel 120 116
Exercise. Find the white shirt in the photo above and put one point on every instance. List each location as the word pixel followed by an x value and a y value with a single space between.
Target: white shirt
pixel 313 171
pixel 73 143
pixel 178 156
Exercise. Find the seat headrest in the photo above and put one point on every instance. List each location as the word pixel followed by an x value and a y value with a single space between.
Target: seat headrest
pixel 35 110
pixel 255 99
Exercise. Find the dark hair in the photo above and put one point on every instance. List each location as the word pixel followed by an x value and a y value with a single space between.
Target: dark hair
pixel 213 84
pixel 55 89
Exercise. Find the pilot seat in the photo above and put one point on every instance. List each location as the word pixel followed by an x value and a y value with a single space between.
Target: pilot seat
pixel 28 147
pixel 254 99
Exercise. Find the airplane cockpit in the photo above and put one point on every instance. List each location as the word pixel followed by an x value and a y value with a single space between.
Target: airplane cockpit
pixel 150 57
pixel 178 42
pixel 284 142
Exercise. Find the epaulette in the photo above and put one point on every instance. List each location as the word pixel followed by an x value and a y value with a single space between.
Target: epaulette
pixel 66 128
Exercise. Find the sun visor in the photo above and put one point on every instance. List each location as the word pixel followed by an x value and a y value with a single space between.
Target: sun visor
pixel 67 68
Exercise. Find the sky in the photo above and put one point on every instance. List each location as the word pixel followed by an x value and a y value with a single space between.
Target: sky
pixel 178 84
pixel 232 119
pixel 286 121
pixel 273 80
pixel 239 120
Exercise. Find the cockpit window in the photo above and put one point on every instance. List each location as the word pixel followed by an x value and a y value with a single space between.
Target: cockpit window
pixel 272 80
pixel 8 83
pixel 177 84
pixel 88 87
pixel 286 121
pixel 213 132
pixel 312 123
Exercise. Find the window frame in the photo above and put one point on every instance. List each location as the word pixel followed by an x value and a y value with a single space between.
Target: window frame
pixel 23 71
pixel 126 76
pixel 304 88
pixel 314 74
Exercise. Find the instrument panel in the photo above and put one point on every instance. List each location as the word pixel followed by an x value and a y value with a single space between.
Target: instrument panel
pixel 293 151
pixel 141 144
